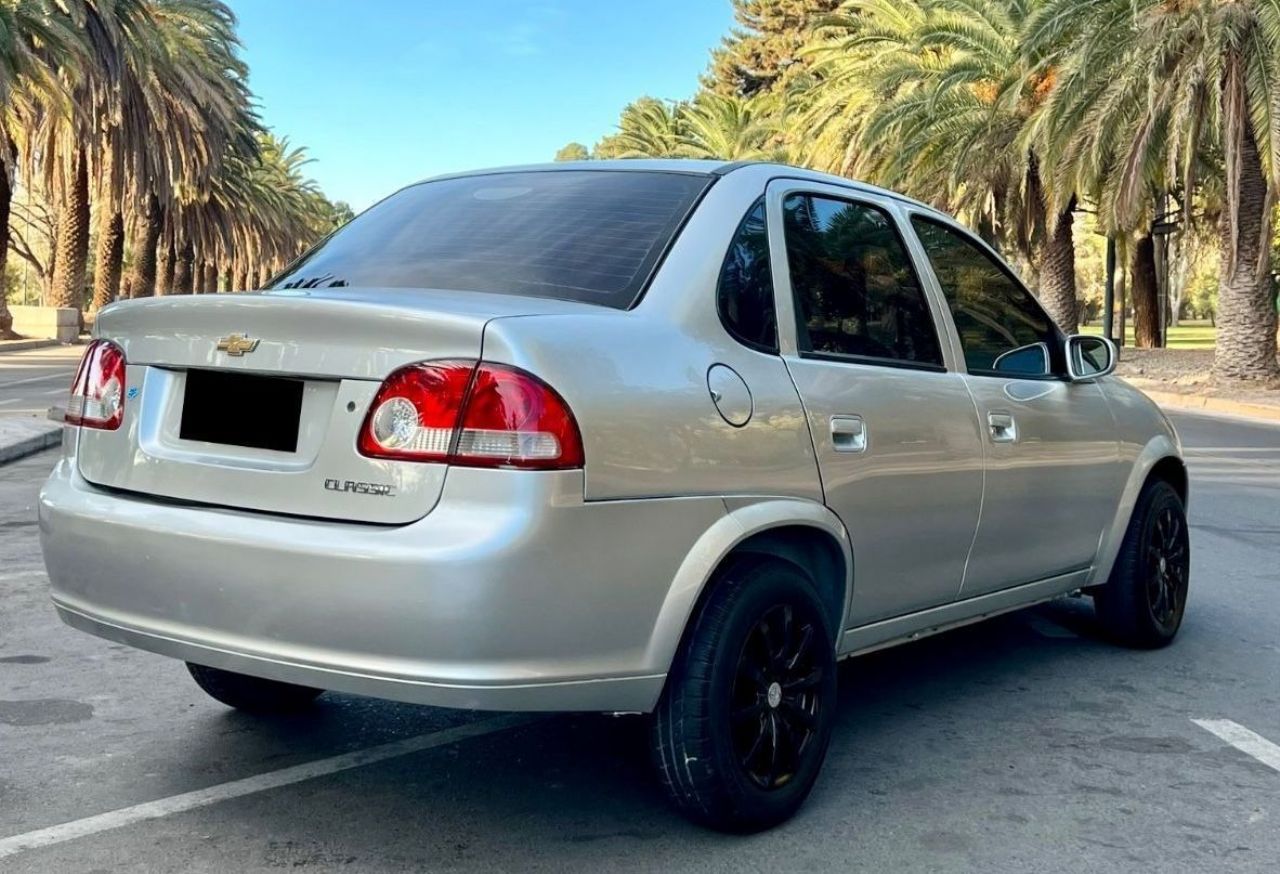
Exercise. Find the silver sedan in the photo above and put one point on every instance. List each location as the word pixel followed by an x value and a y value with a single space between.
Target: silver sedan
pixel 658 436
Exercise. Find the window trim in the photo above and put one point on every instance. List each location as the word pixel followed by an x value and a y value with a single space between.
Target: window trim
pixel 963 233
pixel 776 348
pixel 895 223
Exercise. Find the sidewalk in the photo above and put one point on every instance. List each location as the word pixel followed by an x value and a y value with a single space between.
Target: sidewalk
pixel 20 437
pixel 1259 405
pixel 24 345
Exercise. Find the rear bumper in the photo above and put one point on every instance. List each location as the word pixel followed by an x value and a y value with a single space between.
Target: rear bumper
pixel 513 594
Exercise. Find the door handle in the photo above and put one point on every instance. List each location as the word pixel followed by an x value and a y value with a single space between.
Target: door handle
pixel 1003 428
pixel 848 434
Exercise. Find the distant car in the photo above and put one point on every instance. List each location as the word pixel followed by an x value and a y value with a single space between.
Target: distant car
pixel 645 436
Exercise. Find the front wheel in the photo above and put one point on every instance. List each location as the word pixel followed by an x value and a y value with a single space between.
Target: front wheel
pixel 1143 603
pixel 252 694
pixel 742 728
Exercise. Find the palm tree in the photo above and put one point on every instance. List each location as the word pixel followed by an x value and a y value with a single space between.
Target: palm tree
pixel 730 128
pixel 68 144
pixel 183 104
pixel 1150 88
pixel 647 128
pixel 34 45
pixel 937 97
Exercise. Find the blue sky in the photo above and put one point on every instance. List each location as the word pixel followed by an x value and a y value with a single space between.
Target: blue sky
pixel 385 92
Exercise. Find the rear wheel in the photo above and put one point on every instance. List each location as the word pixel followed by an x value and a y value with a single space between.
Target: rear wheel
pixel 742 728
pixel 252 694
pixel 1143 603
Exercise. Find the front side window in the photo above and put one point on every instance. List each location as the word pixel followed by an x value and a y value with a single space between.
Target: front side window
pixel 745 291
pixel 585 235
pixel 856 292
pixel 1003 330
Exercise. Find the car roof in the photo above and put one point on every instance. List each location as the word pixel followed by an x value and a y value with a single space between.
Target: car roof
pixel 697 166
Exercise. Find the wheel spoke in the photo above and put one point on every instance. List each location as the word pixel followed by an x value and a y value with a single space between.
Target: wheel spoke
pixel 806 637
pixel 806 681
pixel 772 646
pixel 774 752
pixel 803 718
pixel 756 744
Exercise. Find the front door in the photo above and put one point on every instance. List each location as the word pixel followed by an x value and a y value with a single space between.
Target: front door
pixel 1052 457
pixel 894 427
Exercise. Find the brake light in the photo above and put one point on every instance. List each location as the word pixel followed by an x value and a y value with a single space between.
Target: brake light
pixel 97 394
pixel 473 414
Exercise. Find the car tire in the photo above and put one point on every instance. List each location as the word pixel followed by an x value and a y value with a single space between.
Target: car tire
pixel 742 727
pixel 252 694
pixel 1142 604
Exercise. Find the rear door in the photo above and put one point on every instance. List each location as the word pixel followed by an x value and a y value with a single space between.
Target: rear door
pixel 893 424
pixel 1052 459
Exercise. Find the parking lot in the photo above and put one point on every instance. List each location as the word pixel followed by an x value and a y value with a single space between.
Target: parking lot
pixel 1021 744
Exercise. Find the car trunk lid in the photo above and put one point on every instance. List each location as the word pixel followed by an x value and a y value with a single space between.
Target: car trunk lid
pixel 255 401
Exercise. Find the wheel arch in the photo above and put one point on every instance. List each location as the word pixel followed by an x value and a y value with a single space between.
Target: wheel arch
pixel 803 533
pixel 1159 459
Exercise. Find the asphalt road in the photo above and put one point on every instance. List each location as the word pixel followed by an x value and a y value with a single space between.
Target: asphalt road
pixel 36 379
pixel 1021 744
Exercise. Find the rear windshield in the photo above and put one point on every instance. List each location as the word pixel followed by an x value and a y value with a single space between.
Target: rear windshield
pixel 586 235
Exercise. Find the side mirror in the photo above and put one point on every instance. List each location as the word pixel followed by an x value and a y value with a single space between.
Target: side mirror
pixel 1089 357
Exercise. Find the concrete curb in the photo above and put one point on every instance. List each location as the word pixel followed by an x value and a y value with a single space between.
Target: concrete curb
pixel 24 345
pixel 1213 405
pixel 15 444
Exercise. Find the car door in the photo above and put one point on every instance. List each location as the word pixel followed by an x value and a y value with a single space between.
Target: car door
pixel 1052 458
pixel 893 425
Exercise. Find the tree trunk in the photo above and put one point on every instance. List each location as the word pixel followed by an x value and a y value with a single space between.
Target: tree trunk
pixel 183 270
pixel 1246 319
pixel 168 264
pixel 1146 301
pixel 227 278
pixel 110 256
pixel 142 278
pixel 6 201
pixel 72 243
pixel 241 280
pixel 208 278
pixel 1058 272
pixel 1122 291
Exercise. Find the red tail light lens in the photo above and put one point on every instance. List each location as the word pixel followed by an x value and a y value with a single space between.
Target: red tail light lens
pixel 97 394
pixel 472 414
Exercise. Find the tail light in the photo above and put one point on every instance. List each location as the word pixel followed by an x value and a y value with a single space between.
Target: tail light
pixel 471 413
pixel 97 394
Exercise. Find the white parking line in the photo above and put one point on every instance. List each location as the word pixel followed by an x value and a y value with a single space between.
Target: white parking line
pixel 92 825
pixel 1244 740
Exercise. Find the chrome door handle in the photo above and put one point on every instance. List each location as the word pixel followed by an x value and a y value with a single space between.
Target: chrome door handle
pixel 848 434
pixel 1003 428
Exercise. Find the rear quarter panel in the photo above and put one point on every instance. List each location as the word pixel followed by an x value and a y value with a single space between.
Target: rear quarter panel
pixel 638 388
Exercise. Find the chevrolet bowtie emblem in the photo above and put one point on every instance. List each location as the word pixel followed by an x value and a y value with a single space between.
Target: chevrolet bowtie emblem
pixel 237 345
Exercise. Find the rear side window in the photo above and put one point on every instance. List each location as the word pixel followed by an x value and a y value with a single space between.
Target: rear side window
pixel 856 292
pixel 585 235
pixel 1003 330
pixel 745 292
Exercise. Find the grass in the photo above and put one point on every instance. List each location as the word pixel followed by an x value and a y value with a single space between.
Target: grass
pixel 1188 335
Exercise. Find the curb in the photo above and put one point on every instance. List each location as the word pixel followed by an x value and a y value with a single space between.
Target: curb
pixel 1213 405
pixel 24 345
pixel 30 446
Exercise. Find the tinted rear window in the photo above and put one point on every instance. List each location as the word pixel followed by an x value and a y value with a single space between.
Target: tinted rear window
pixel 586 235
